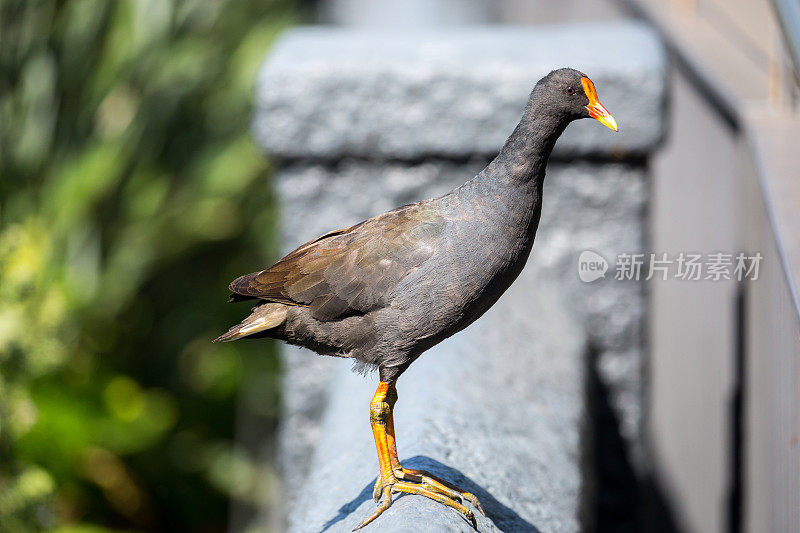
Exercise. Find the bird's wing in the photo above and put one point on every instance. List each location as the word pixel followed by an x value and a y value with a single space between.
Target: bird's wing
pixel 352 270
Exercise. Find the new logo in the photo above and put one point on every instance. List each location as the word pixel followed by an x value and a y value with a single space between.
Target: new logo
pixel 591 266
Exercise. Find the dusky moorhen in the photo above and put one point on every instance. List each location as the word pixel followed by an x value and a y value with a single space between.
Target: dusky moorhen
pixel 385 290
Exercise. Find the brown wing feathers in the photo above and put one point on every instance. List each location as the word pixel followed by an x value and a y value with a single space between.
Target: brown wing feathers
pixel 344 272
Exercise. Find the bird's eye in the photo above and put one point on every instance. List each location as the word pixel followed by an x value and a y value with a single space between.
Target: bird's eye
pixel 570 90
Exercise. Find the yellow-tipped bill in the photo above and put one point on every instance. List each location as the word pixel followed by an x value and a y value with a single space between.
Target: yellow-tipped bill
pixel 596 109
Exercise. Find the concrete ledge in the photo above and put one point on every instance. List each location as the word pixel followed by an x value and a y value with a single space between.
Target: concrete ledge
pixel 457 93
pixel 501 418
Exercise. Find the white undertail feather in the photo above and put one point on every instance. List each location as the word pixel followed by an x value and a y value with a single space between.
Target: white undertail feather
pixel 263 317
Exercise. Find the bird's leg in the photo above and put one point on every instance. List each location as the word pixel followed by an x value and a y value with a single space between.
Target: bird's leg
pixel 422 476
pixel 393 477
pixel 380 413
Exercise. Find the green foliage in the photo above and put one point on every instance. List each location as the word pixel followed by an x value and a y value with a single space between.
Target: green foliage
pixel 130 194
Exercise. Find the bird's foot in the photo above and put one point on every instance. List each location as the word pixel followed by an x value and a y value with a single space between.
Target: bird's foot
pixel 425 484
pixel 442 486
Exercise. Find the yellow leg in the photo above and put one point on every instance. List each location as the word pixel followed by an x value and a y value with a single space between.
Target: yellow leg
pixel 393 477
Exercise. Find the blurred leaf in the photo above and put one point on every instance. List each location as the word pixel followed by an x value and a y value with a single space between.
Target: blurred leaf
pixel 130 195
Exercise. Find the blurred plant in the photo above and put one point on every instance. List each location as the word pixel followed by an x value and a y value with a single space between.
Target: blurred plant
pixel 130 194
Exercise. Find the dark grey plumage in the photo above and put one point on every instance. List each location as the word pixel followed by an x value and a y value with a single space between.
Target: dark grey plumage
pixel 387 289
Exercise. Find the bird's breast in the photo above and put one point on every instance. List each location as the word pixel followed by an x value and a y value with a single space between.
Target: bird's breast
pixel 482 250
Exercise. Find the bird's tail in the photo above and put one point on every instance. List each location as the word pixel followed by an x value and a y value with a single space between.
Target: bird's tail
pixel 263 317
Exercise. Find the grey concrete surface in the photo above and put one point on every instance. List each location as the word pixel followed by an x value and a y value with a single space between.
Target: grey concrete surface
pixel 327 92
pixel 549 12
pixel 407 14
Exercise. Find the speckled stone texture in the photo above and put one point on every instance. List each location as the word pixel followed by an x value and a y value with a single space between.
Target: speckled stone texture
pixel 326 93
pixel 360 123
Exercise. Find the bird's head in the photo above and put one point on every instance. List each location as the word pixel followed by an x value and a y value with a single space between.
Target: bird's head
pixel 572 94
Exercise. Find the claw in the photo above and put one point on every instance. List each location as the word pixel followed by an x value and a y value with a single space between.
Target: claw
pixel 474 501
pixel 377 490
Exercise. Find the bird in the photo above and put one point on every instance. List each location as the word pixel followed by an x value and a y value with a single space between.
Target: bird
pixel 385 290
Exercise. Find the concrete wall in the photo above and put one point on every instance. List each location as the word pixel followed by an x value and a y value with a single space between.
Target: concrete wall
pixel 692 323
pixel 770 468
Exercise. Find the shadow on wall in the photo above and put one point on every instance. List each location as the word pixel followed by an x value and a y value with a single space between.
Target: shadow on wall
pixel 623 502
pixel 503 517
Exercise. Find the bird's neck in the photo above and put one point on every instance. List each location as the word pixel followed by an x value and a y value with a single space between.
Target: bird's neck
pixel 523 158
pixel 513 182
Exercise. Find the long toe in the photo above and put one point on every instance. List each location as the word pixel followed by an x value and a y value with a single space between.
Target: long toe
pixel 423 490
pixel 441 486
pixel 385 504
